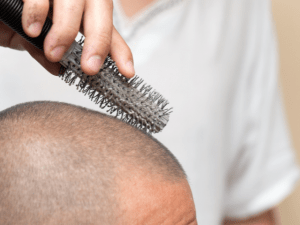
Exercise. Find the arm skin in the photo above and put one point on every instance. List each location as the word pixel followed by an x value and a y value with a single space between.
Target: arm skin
pixel 267 218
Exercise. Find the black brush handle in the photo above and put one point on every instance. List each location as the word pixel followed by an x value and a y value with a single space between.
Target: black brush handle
pixel 11 15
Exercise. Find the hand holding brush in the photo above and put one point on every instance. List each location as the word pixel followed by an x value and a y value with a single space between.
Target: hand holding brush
pixel 128 99
pixel 93 18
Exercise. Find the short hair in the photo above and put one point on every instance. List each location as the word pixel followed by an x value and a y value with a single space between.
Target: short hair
pixel 57 157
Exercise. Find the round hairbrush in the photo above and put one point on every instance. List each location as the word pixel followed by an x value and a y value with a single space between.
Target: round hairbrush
pixel 130 100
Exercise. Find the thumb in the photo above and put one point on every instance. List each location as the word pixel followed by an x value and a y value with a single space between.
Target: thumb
pixel 9 38
pixel 40 57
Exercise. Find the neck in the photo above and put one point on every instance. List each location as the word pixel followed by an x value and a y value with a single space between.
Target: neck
pixel 132 7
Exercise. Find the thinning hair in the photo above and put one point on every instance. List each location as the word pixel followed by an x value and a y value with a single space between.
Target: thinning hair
pixel 60 158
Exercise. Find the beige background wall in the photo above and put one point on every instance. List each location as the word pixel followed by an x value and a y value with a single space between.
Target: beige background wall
pixel 287 18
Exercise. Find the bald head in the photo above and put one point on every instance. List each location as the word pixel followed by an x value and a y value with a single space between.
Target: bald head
pixel 62 164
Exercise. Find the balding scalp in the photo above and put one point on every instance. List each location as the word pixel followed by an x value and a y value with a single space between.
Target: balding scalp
pixel 56 157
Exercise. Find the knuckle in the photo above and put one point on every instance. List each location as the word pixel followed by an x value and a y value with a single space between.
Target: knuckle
pixel 103 42
pixel 38 7
pixel 42 5
pixel 66 33
pixel 71 30
pixel 71 8
pixel 37 11
pixel 104 39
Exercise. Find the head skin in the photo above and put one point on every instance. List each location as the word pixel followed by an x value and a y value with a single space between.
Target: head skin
pixel 64 164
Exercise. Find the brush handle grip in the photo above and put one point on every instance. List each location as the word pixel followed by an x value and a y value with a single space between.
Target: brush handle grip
pixel 11 15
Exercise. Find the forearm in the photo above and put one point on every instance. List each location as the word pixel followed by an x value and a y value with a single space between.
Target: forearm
pixel 267 218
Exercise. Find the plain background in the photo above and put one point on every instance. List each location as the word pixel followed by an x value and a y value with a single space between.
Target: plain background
pixel 287 19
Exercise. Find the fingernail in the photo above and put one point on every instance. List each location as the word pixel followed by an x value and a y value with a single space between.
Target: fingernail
pixel 35 28
pixel 58 52
pixel 94 63
pixel 130 68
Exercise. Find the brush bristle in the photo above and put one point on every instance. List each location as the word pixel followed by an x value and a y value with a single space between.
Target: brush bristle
pixel 130 100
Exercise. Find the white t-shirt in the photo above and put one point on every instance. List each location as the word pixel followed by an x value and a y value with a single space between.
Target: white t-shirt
pixel 216 62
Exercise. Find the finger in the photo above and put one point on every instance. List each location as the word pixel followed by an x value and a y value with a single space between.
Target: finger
pixel 67 16
pixel 39 56
pixel 16 42
pixel 9 38
pixel 122 55
pixel 98 27
pixel 34 16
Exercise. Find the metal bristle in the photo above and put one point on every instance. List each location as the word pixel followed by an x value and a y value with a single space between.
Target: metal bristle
pixel 130 100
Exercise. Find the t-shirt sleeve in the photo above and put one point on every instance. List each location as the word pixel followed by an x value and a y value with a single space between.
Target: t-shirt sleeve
pixel 263 170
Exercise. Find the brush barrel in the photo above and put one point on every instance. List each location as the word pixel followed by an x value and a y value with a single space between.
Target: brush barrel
pixel 11 15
